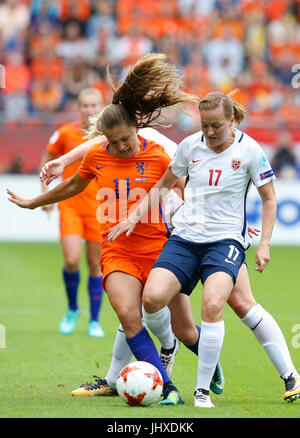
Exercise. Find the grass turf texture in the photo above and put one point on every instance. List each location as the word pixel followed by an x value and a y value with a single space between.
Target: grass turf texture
pixel 39 367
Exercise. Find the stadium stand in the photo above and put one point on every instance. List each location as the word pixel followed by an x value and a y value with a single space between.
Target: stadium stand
pixel 50 50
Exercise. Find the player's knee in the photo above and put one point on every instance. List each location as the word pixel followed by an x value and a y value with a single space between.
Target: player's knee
pixel 124 314
pixel 212 310
pixel 132 326
pixel 94 268
pixel 128 316
pixel 71 263
pixel 152 302
pixel 238 308
pixel 240 305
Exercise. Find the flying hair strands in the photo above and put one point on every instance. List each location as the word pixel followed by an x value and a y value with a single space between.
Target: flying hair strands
pixel 150 85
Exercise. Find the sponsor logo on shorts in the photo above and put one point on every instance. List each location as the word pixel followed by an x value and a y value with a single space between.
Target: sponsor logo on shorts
pixel 229 261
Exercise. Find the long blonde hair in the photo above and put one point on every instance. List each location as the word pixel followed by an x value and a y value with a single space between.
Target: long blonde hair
pixel 231 108
pixel 150 85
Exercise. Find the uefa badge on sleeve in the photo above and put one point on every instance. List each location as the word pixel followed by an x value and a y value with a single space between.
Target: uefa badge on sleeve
pixel 236 163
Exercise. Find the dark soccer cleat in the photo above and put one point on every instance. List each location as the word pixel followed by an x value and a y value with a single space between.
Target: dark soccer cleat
pixel 218 381
pixel 171 396
pixel 292 388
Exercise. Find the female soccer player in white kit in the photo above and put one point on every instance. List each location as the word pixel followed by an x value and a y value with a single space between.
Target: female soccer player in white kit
pixel 209 237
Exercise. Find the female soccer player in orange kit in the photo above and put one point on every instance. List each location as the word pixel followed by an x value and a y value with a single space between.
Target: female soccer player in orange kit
pixel 78 220
pixel 125 167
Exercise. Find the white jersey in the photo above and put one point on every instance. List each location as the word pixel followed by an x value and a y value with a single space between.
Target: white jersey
pixel 172 201
pixel 152 134
pixel 217 186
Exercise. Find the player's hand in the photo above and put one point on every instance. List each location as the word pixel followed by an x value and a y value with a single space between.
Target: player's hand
pixel 52 170
pixel 126 226
pixel 47 208
pixel 21 202
pixel 262 256
pixel 252 231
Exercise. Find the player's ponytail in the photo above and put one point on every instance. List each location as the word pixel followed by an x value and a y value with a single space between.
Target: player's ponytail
pixel 239 110
pixel 231 108
pixel 150 85
pixel 94 127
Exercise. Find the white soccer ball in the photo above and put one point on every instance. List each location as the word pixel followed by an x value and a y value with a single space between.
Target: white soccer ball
pixel 140 384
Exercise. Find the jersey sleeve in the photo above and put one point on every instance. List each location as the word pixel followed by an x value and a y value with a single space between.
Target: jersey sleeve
pixel 87 166
pixel 152 134
pixel 179 163
pixel 55 143
pixel 169 145
pixel 260 169
pixel 165 161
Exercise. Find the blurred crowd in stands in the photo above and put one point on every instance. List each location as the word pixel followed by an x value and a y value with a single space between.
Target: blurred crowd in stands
pixel 51 49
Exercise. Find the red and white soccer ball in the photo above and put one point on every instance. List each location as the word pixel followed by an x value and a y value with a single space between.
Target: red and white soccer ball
pixel 139 384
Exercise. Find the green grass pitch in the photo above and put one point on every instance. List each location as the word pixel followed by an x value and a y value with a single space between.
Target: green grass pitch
pixel 39 367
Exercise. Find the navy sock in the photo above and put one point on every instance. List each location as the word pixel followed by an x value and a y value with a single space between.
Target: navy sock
pixel 143 348
pixel 95 294
pixel 71 280
pixel 194 348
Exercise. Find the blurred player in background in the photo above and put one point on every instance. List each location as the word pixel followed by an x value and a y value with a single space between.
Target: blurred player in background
pixel 78 220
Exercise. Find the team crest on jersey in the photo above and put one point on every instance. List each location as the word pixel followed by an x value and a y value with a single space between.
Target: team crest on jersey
pixel 236 163
pixel 141 167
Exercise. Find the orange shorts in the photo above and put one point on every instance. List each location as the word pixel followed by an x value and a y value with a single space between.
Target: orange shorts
pixel 86 226
pixel 135 265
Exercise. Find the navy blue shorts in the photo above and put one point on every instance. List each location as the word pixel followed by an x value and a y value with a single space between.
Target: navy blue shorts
pixel 191 262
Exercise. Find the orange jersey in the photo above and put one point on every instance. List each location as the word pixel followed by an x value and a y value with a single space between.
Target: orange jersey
pixel 121 184
pixel 63 140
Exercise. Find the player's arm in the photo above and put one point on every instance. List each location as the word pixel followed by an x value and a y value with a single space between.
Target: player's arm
pixel 66 189
pixel 179 186
pixel 153 197
pixel 54 169
pixel 269 206
pixel 47 156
